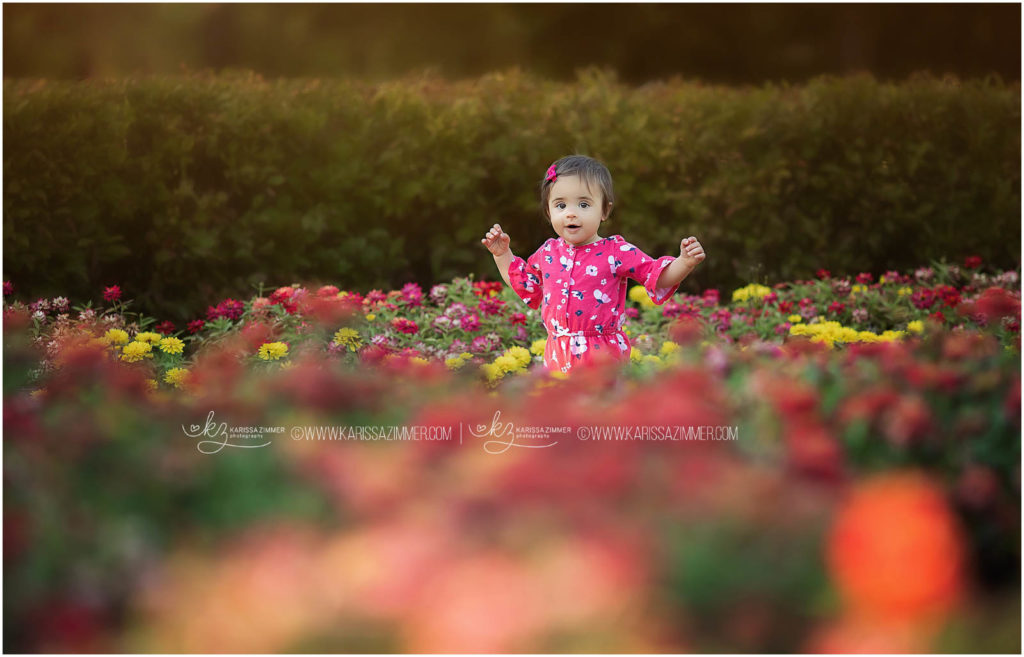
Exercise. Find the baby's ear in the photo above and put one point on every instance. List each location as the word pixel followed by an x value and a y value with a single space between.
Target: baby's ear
pixel 608 212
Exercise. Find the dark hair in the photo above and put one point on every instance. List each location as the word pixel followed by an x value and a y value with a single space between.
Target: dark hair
pixel 590 170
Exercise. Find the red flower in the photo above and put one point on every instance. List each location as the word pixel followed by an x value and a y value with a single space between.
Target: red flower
pixel 972 262
pixel 937 316
pixel 112 293
pixel 823 273
pixel 785 307
pixel 865 278
pixel 8 288
pixel 196 325
pixel 896 550
pixel 412 293
pixel 923 299
pixel 517 318
pixel 165 328
pixel 836 307
pixel 487 288
pixel 404 325
pixel 328 291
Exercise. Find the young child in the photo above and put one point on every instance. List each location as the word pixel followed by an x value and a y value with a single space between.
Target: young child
pixel 580 279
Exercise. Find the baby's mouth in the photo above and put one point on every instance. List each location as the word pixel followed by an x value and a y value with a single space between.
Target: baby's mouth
pixel 572 226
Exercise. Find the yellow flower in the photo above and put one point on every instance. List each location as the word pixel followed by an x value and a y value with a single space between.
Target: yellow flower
pixel 417 360
pixel 904 291
pixel 668 347
pixel 349 338
pixel 273 350
pixel 151 385
pixel 558 374
pixel 370 317
pixel 454 363
pixel 652 360
pixel 858 288
pixel 176 376
pixel 537 346
pixel 916 326
pixel 150 337
pixel 881 279
pixel 507 364
pixel 795 319
pixel 136 351
pixel 752 291
pixel 116 336
pixel 521 354
pixel 638 294
pixel 172 346
pixel 635 355
pixel 492 372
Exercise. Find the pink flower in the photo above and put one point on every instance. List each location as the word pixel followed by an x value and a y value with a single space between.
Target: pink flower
pixel 413 294
pixel 972 262
pixel 517 318
pixel 196 325
pixel 836 307
pixel 470 323
pixel 490 306
pixel 8 288
pixel 328 291
pixel 865 278
pixel 112 293
pixel 551 175
pixel 375 296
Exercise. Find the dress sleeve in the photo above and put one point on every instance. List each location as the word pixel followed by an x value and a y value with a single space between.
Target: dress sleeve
pixel 645 270
pixel 525 277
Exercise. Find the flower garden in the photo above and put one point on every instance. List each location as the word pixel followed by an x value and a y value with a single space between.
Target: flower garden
pixel 869 499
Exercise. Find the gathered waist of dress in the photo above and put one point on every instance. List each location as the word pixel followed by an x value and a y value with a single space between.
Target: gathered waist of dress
pixel 563 333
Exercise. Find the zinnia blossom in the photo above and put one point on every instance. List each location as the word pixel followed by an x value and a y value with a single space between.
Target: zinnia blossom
pixel 136 351
pixel 176 376
pixel 172 346
pixel 273 351
pixel 404 325
pixel 112 293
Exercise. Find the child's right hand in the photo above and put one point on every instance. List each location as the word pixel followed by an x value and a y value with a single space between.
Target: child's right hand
pixel 496 241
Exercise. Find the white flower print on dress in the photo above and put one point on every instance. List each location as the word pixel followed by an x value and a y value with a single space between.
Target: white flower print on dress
pixel 614 264
pixel 622 342
pixel 565 262
pixel 601 296
pixel 578 344
pixel 591 270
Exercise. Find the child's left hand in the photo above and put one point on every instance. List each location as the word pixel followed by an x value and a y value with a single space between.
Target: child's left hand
pixel 691 251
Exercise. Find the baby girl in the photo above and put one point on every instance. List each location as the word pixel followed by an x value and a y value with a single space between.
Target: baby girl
pixel 579 279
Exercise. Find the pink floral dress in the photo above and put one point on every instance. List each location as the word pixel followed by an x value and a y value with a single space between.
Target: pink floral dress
pixel 582 293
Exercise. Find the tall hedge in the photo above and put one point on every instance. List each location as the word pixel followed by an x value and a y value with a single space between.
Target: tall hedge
pixel 185 190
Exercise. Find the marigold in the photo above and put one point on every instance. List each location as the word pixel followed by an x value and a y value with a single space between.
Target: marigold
pixel 149 336
pixel 136 351
pixel 752 291
pixel 273 351
pixel 638 294
pixel 172 346
pixel 116 336
pixel 916 326
pixel 537 346
pixel 348 337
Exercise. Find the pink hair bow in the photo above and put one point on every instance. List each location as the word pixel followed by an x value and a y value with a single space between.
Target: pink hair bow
pixel 551 176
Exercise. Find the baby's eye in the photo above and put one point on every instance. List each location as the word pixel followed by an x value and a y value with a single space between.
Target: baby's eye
pixel 560 205
pixel 584 204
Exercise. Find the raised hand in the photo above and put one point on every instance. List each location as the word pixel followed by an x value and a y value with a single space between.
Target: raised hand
pixel 496 241
pixel 691 251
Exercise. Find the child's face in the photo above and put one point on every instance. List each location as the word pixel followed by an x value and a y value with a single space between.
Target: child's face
pixel 575 210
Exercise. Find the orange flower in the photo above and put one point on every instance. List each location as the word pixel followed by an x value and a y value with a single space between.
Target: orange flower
pixel 895 550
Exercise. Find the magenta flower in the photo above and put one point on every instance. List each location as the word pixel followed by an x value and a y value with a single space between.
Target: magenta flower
pixel 517 318
pixel 112 293
pixel 823 273
pixel 865 278
pixel 196 325
pixel 972 262
pixel 8 288
pixel 413 294
pixel 328 291
pixel 470 323
pixel 404 325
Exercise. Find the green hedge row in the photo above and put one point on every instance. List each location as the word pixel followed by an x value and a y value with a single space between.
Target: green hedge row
pixel 185 190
